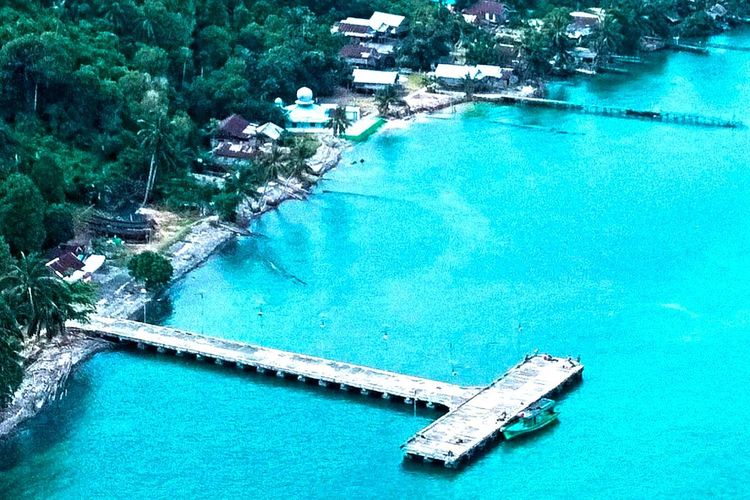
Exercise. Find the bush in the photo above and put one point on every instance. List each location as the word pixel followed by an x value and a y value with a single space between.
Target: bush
pixel 59 225
pixel 152 268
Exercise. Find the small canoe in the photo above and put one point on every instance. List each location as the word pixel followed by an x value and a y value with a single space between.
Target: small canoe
pixel 538 415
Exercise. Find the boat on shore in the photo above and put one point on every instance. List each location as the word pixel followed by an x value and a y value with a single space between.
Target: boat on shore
pixel 538 415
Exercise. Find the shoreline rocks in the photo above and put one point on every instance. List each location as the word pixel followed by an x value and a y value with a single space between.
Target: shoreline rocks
pixel 53 361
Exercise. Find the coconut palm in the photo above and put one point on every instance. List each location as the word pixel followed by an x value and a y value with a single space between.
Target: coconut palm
pixel 556 29
pixel 469 85
pixel 338 122
pixel 11 369
pixel 42 301
pixel 606 39
pixel 158 142
pixel 385 98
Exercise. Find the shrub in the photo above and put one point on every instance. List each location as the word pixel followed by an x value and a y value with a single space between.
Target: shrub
pixel 152 268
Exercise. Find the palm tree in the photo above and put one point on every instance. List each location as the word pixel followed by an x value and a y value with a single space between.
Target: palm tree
pixel 556 28
pixel 11 368
pixel 468 84
pixel 157 140
pixel 43 301
pixel 338 122
pixel 385 98
pixel 606 39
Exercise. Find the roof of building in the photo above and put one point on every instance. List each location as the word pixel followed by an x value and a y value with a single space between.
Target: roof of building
pixel 455 71
pixel 356 51
pixel 494 71
pixel 380 19
pixel 271 130
pixel 486 7
pixel 578 15
pixel 229 149
pixel 65 263
pixel 371 77
pixel 237 127
pixel 305 110
pixel 349 28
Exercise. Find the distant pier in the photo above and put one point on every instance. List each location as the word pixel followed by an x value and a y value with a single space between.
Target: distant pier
pixel 619 112
pixel 476 415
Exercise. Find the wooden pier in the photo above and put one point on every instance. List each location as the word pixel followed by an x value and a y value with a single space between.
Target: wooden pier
pixel 476 415
pixel 594 109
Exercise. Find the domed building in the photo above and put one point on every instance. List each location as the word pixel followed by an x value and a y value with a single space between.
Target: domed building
pixel 305 115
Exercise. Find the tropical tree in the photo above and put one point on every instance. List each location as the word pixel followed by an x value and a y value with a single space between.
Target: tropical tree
pixel 152 268
pixel 21 214
pixel 338 122
pixel 157 141
pixel 535 54
pixel 606 39
pixel 43 301
pixel 11 367
pixel 385 98
pixel 556 29
pixel 469 85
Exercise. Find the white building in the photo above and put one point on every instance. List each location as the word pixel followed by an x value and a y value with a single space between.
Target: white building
pixel 367 79
pixel 307 116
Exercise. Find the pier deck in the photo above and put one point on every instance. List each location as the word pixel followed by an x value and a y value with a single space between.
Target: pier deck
pixel 457 435
pixel 476 415
pixel 613 111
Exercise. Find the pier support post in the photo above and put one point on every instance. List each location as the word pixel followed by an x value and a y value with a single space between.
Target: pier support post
pixel 219 362
pixel 385 395
pixel 280 374
pixel 179 353
pixel 141 346
pixel 408 401
pixel 161 350
pixel 261 369
pixel 364 392
pixel 344 387
pixel 239 365
pixel 198 357
pixel 322 383
pixel 301 378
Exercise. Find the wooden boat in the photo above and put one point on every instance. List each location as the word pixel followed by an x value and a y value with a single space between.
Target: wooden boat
pixel 534 418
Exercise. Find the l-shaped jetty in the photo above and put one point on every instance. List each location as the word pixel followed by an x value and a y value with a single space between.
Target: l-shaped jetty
pixel 476 416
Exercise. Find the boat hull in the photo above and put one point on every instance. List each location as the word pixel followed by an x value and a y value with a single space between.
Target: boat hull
pixel 520 428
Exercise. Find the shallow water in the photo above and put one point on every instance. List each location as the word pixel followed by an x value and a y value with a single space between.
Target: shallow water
pixel 470 241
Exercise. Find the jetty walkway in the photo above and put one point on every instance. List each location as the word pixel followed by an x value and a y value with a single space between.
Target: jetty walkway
pixel 476 415
pixel 593 109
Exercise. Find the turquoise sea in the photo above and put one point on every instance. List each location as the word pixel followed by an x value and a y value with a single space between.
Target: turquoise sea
pixel 470 241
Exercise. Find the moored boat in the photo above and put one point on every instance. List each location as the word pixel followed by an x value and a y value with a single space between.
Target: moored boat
pixel 533 418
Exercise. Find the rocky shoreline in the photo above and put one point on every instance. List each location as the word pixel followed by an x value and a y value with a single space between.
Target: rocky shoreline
pixel 51 363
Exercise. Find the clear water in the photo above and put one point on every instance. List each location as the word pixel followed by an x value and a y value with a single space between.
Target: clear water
pixel 470 242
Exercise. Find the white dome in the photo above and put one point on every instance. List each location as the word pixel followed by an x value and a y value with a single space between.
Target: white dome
pixel 304 95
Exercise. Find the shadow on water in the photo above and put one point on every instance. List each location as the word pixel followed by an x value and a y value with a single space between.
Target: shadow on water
pixel 50 427
pixel 269 379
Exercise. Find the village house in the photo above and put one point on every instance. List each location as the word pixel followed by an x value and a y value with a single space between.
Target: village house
pixel 238 140
pixel 307 116
pixel 381 32
pixel 584 23
pixel 380 28
pixel 75 266
pixel 367 80
pixel 485 77
pixel 486 12
pixel 359 55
